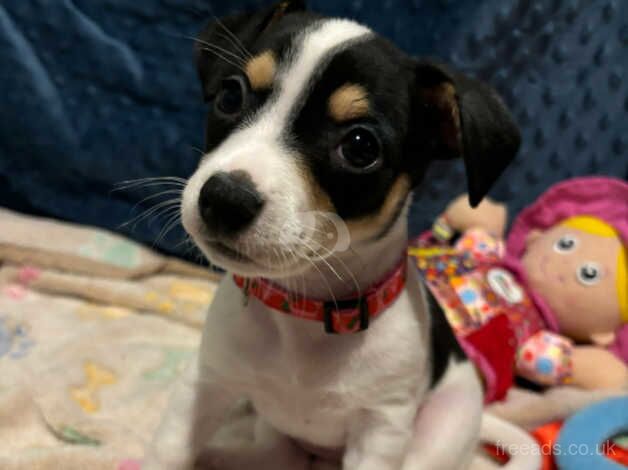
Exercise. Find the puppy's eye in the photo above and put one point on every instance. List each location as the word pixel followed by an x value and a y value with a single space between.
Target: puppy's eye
pixel 231 99
pixel 589 274
pixel 359 148
pixel 565 244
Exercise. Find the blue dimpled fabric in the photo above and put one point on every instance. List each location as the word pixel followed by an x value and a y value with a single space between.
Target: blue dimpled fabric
pixel 95 92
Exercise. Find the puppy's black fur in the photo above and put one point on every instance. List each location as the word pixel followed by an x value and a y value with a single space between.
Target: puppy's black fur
pixel 445 346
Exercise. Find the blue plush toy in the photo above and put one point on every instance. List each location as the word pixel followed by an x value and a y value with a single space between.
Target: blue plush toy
pixel 580 443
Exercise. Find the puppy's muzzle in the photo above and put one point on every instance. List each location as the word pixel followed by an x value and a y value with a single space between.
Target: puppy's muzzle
pixel 229 202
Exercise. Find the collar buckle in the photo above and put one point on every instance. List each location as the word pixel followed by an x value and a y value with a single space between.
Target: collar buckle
pixel 359 303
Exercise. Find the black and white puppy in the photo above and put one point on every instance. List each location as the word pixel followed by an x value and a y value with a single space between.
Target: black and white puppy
pixel 312 115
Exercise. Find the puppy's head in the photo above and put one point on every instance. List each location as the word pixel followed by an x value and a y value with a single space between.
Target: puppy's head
pixel 316 123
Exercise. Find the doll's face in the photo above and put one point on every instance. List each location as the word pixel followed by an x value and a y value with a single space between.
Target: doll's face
pixel 575 272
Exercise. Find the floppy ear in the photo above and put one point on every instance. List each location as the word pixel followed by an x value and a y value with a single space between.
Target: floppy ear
pixel 225 41
pixel 463 117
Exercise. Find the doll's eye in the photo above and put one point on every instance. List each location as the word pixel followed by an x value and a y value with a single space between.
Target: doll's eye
pixel 565 244
pixel 589 274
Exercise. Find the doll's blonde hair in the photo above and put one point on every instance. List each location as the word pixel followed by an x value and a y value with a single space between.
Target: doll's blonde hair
pixel 598 227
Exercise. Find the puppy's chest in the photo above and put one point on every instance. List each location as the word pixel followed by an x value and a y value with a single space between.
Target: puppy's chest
pixel 305 390
pixel 318 400
pixel 317 413
pixel 311 385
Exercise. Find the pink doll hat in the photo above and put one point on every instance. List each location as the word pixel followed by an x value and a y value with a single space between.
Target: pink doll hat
pixel 600 197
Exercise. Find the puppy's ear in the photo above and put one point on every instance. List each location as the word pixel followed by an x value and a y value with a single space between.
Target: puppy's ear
pixel 225 41
pixel 459 116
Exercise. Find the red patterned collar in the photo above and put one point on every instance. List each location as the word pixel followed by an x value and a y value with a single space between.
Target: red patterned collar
pixel 349 315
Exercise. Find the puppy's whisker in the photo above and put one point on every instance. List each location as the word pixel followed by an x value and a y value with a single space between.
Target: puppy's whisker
pixel 301 289
pixel 231 43
pixel 144 216
pixel 153 178
pixel 237 65
pixel 215 47
pixel 244 53
pixel 324 279
pixel 295 288
pixel 196 149
pixel 319 257
pixel 150 185
pixel 168 214
pixel 186 239
pixel 235 39
pixel 170 224
pixel 358 289
pixel 289 257
pixel 175 180
pixel 223 53
pixel 226 29
pixel 159 194
pixel 331 254
pixel 176 202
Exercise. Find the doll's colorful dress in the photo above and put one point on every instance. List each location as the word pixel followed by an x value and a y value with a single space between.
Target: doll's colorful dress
pixel 492 315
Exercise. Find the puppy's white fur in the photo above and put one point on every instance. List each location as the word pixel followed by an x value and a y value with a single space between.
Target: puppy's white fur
pixel 367 395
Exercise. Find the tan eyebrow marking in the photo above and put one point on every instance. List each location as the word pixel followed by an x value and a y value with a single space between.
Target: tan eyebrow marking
pixel 350 101
pixel 261 70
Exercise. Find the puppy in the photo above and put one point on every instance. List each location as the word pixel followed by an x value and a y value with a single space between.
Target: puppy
pixel 320 127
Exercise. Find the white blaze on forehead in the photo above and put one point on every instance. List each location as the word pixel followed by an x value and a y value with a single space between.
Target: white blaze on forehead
pixel 257 145
pixel 311 48
pixel 264 129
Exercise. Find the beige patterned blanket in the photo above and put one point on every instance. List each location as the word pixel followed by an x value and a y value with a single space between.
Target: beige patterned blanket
pixel 93 331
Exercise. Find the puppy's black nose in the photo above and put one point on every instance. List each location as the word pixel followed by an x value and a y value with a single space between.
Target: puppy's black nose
pixel 229 202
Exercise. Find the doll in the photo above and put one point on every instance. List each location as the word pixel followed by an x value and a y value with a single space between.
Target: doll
pixel 550 303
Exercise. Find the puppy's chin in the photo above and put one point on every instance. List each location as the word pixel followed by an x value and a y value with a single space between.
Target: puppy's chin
pixel 265 251
pixel 226 257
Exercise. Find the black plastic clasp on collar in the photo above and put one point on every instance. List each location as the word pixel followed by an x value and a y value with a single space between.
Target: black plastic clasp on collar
pixel 330 306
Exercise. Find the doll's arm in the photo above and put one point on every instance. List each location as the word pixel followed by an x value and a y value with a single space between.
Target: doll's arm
pixel 489 215
pixel 598 368
pixel 550 359
pixel 545 358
